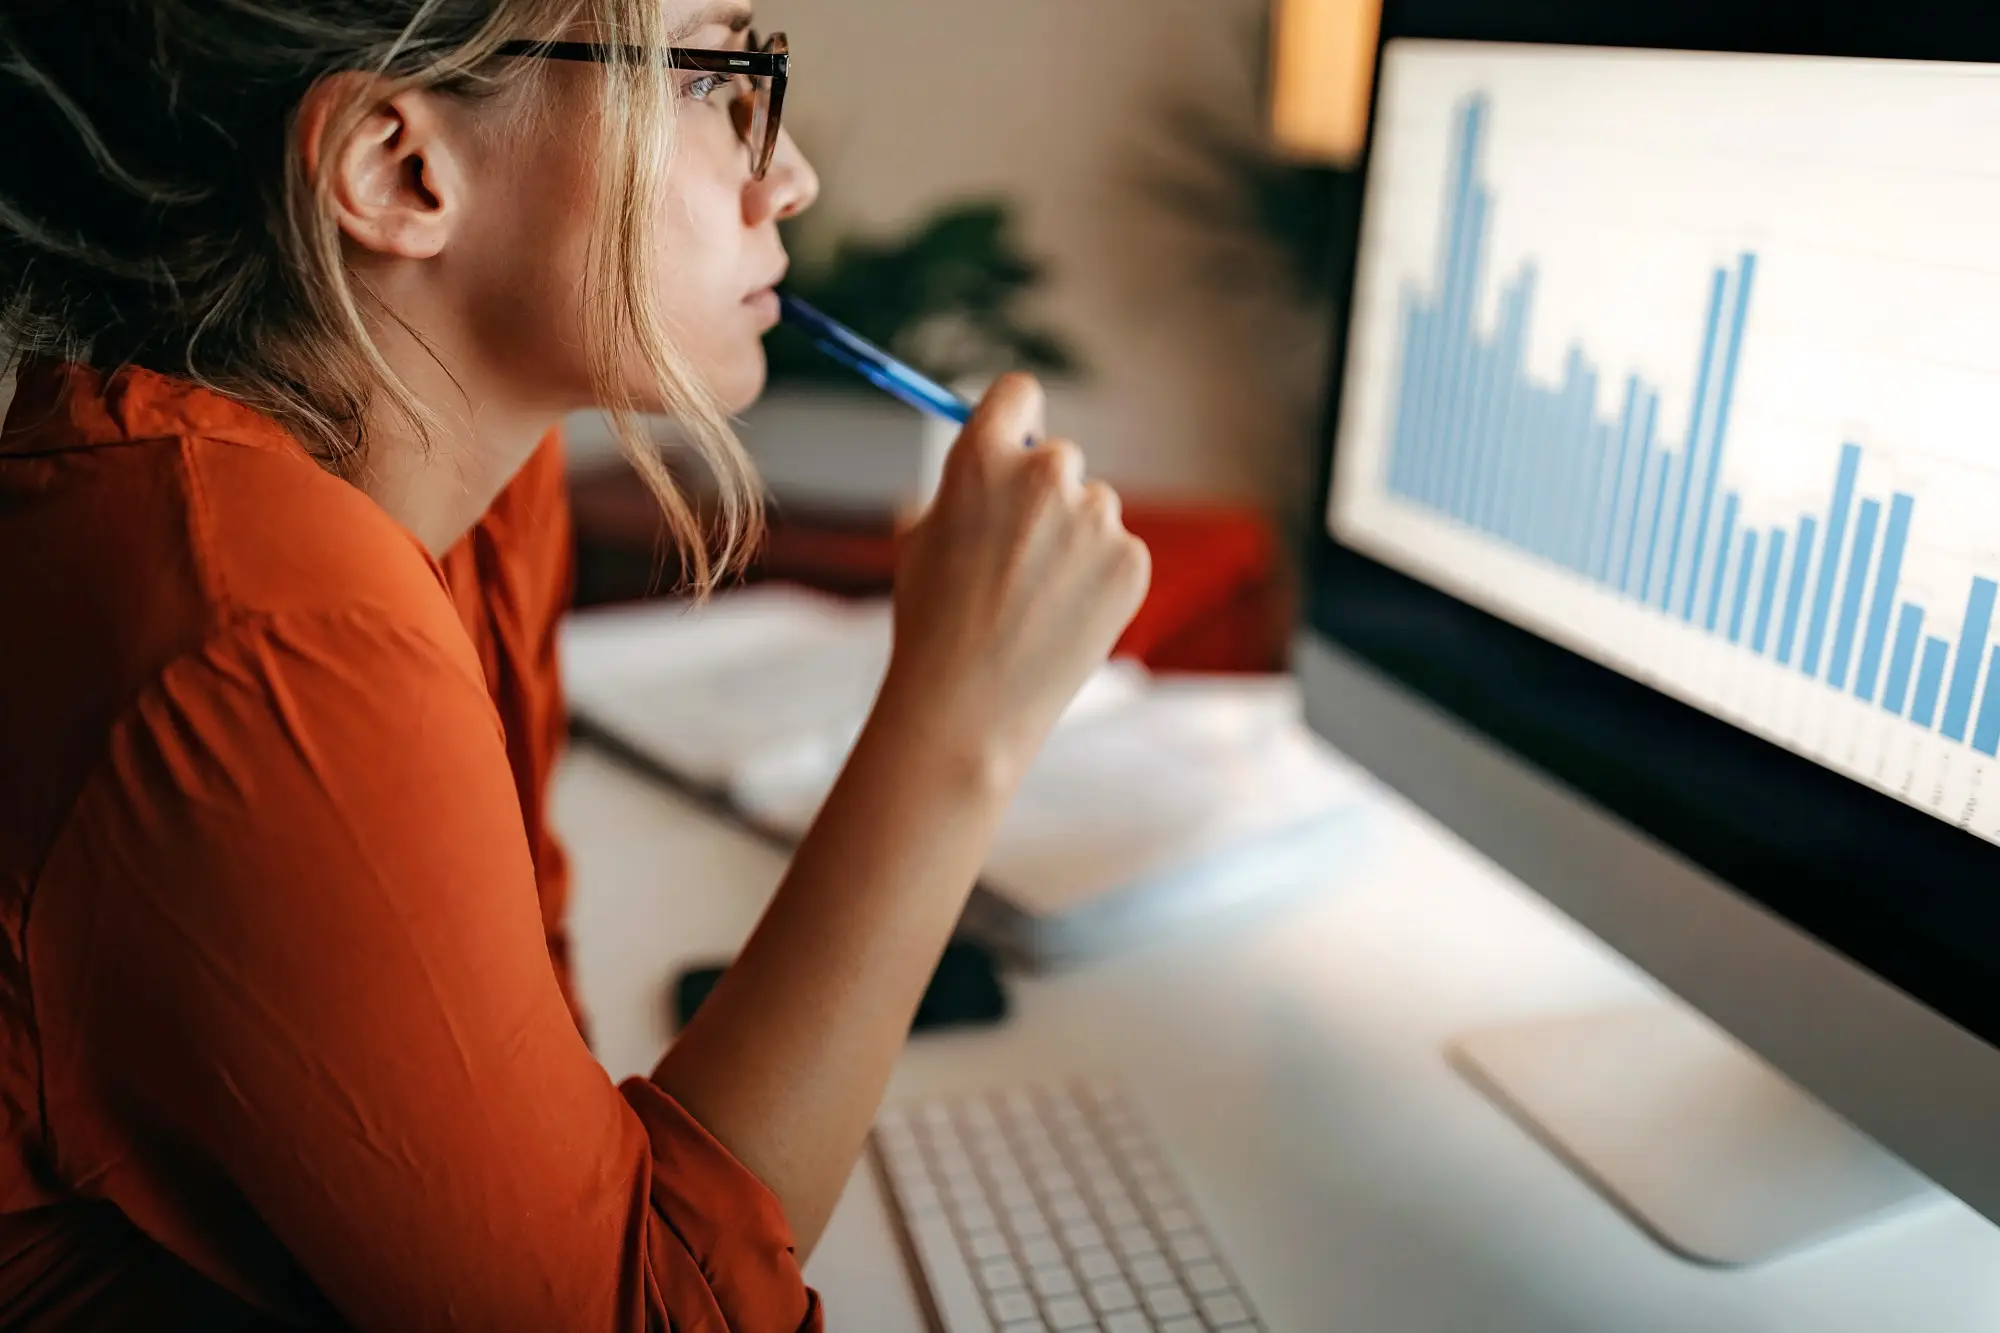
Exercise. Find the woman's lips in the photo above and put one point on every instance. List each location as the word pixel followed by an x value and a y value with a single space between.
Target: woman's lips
pixel 765 303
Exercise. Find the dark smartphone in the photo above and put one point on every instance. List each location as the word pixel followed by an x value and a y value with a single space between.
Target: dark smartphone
pixel 964 992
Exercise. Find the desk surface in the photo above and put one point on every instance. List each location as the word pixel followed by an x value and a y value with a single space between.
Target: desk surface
pixel 1291 1060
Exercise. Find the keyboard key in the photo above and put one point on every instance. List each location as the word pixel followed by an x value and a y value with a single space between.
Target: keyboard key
pixel 1012 1307
pixel 1222 1311
pixel 989 1245
pixel 1006 1174
pixel 1167 1302
pixel 1131 1321
pixel 1053 1282
pixel 1176 1219
pixel 1207 1279
pixel 1182 1326
pixel 1120 1213
pixel 1097 1265
pixel 1135 1242
pixel 999 1274
pixel 1034 1325
pixel 921 1199
pixel 1066 1312
pixel 1190 1247
pixel 1112 1296
pixel 1153 1272
pixel 1027 1223
pixel 1082 1235
pixel 1040 1253
pixel 1068 1207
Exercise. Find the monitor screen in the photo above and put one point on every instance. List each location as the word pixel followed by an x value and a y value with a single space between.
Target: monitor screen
pixel 1689 363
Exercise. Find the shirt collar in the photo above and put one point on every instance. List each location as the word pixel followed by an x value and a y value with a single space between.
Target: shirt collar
pixel 62 405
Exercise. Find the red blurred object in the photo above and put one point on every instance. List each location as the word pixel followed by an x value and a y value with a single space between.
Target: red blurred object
pixel 1219 601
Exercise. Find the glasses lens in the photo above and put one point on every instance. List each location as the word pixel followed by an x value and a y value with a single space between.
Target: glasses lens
pixel 751 112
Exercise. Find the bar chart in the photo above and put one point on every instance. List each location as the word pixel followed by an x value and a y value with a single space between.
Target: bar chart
pixel 1590 501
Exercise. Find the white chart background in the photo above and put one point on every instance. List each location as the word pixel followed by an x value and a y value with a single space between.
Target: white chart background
pixel 1870 191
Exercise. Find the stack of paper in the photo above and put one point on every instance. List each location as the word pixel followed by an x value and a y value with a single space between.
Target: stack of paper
pixel 1154 800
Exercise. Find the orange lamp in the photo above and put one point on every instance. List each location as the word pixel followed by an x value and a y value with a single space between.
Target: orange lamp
pixel 1323 70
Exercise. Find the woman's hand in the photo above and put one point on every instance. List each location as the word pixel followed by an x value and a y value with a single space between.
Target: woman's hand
pixel 1013 588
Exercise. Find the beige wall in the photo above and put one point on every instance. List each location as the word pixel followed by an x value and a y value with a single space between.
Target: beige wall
pixel 907 103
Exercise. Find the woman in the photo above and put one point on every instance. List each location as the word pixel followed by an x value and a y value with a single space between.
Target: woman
pixel 301 287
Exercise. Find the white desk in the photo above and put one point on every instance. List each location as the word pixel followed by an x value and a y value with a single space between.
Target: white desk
pixel 1292 1062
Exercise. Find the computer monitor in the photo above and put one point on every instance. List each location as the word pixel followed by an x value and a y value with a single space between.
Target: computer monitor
pixel 1659 560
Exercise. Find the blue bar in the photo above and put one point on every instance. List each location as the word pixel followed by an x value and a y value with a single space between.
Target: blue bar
pixel 1585 462
pixel 1443 401
pixel 1829 563
pixel 1795 599
pixel 1850 603
pixel 1717 438
pixel 1908 630
pixel 1430 394
pixel 1467 444
pixel 1641 480
pixel 1491 420
pixel 1565 477
pixel 1544 447
pixel 1986 736
pixel 1531 498
pixel 1746 565
pixel 1886 580
pixel 1774 564
pixel 1695 422
pixel 1486 434
pixel 1507 490
pixel 1406 403
pixel 1936 653
pixel 1441 357
pixel 1464 367
pixel 1424 391
pixel 1971 651
pixel 1608 444
pixel 1722 550
pixel 1605 566
pixel 1668 471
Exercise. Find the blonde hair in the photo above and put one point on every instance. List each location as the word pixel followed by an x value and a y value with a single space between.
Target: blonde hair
pixel 159 213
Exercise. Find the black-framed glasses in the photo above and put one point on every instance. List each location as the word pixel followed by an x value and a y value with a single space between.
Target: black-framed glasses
pixel 764 69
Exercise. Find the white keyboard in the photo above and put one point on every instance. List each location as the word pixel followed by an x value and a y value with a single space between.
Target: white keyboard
pixel 1049 1210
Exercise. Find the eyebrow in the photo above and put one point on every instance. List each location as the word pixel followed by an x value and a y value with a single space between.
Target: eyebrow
pixel 736 17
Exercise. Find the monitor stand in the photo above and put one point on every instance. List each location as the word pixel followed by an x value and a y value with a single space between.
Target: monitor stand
pixel 1699 1142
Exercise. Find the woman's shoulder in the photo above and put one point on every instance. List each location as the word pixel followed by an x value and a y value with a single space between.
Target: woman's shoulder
pixel 160 512
pixel 201 548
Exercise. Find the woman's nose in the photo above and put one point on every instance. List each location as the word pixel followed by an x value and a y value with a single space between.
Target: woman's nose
pixel 789 188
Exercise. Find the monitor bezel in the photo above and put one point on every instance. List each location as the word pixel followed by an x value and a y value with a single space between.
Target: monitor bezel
pixel 1800 840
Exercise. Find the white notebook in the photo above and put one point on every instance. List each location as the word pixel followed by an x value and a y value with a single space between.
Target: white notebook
pixel 1155 800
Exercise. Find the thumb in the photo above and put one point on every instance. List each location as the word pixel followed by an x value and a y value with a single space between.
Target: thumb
pixel 1013 412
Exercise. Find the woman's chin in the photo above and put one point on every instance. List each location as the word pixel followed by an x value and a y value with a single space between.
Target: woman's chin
pixel 739 391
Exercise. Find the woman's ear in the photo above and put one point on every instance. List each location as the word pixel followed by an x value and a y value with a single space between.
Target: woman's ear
pixel 387 163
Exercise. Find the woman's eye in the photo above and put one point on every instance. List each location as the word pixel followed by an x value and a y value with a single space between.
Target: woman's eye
pixel 706 86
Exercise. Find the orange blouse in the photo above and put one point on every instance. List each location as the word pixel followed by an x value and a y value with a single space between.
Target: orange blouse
pixel 283 1045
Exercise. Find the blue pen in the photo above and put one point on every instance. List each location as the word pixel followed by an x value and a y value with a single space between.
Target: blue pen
pixel 873 364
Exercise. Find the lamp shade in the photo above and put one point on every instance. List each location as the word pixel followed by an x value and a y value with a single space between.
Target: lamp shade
pixel 1323 70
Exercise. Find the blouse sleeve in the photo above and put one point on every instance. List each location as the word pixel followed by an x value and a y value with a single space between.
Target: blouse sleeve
pixel 294 994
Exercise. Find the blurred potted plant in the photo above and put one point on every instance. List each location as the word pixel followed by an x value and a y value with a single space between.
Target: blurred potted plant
pixel 945 296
